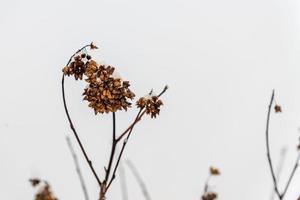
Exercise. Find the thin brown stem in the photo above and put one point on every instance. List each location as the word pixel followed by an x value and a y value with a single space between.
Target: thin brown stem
pixel 139 180
pixel 268 149
pixel 163 91
pixel 279 169
pixel 79 50
pixel 121 152
pixel 113 149
pixel 136 120
pixel 71 123
pixel 291 176
pixel 83 186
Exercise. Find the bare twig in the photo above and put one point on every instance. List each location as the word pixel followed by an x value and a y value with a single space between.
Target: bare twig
pixel 139 180
pixel 121 152
pixel 106 183
pixel 71 123
pixel 136 120
pixel 279 168
pixel 113 149
pixel 275 181
pixel 86 196
pixel 291 176
pixel 268 148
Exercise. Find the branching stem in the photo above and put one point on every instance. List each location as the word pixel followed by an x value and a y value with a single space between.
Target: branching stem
pixel 71 123
pixel 279 195
pixel 291 176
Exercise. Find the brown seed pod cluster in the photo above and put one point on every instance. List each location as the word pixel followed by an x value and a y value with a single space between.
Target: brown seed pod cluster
pixel 104 92
pixel 151 103
pixel 78 66
pixel 209 196
pixel 44 192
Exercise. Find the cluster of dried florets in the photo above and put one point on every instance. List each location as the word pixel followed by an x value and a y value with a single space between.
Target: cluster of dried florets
pixel 105 92
pixel 209 196
pixel 44 191
pixel 151 103
pixel 78 66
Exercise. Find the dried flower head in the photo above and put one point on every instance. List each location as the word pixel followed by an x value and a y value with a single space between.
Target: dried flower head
pixel 151 103
pixel 77 67
pixel 209 196
pixel 214 171
pixel 44 192
pixel 104 92
pixel 93 46
pixel 277 108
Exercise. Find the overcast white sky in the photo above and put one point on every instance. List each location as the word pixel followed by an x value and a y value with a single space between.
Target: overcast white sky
pixel 221 59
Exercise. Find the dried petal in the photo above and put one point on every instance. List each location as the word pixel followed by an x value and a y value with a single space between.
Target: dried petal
pixel 214 171
pixel 93 46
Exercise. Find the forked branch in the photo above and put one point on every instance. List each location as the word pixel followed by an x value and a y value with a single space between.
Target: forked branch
pixel 275 181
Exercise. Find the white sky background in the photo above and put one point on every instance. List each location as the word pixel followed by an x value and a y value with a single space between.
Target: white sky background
pixel 221 60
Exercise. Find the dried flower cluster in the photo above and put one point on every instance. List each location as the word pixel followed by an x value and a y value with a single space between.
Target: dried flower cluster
pixel 104 92
pixel 209 196
pixel 151 103
pixel 44 192
pixel 78 66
